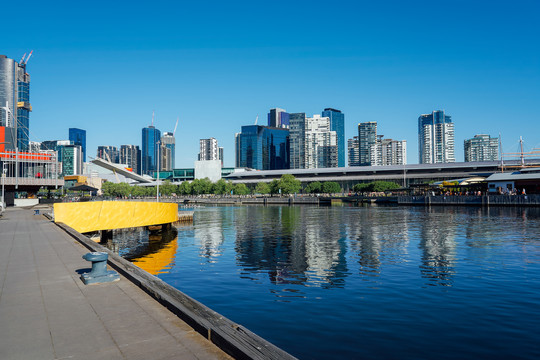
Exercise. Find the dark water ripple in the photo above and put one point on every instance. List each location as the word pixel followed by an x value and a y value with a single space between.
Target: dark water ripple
pixel 366 282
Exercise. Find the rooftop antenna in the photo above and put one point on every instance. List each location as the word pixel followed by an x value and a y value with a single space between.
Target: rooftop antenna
pixel 521 146
pixel 175 126
pixel 256 119
pixel 152 118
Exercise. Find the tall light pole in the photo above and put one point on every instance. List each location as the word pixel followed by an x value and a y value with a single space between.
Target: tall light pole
pixel 157 179
pixel 4 170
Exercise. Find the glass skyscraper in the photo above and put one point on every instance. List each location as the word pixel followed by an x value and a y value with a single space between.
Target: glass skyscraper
pixel 297 136
pixel 337 124
pixel 78 137
pixel 262 148
pixel 150 150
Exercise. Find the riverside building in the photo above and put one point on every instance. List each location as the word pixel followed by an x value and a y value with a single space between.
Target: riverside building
pixel 337 124
pixel 320 143
pixel 353 151
pixel 435 138
pixel 168 144
pixel 481 148
pixel 109 153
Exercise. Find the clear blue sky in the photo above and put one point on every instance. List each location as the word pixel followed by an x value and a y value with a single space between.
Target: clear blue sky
pixel 104 66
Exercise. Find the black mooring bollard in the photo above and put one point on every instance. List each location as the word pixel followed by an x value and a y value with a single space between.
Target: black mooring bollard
pixel 99 273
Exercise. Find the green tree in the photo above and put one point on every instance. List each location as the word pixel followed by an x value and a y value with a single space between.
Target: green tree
pixel 222 187
pixel 274 186
pixel 107 188
pixel 314 187
pixel 184 188
pixel 262 188
pixel 289 184
pixel 331 187
pixel 379 186
pixel 241 189
pixel 167 188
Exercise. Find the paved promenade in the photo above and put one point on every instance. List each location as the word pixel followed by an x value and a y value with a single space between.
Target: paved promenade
pixel 46 312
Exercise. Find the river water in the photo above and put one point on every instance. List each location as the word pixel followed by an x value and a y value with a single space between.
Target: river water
pixel 362 282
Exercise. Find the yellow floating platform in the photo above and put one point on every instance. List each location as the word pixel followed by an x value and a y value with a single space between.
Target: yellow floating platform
pixel 109 215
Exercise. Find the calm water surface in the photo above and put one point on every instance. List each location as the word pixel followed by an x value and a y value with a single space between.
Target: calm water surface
pixel 362 282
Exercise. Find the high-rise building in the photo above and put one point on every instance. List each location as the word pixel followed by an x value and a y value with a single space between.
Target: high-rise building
pixel 353 150
pixel 262 148
pixel 278 118
pixel 168 141
pixel 481 148
pixel 221 155
pixel 391 152
pixel 374 150
pixel 15 104
pixel 435 138
pixel 208 149
pixel 297 127
pixel 151 138
pixel 78 137
pixel 109 153
pixel 70 156
pixel 337 124
pixel 130 155
pixel 321 143
pixel 367 143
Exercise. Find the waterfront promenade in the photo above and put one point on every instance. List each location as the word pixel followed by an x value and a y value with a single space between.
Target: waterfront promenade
pixel 46 312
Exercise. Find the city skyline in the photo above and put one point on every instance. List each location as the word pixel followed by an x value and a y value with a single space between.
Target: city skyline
pixel 374 65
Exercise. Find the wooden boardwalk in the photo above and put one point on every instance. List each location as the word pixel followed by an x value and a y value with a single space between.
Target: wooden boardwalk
pixel 46 312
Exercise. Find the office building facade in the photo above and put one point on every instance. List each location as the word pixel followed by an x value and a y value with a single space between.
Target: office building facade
pixel 109 153
pixel 353 151
pixel 391 152
pixel 262 148
pixel 278 118
pixel 130 155
pixel 481 148
pixel 337 124
pixel 71 158
pixel 435 138
pixel 150 152
pixel 78 137
pixel 14 103
pixel 297 135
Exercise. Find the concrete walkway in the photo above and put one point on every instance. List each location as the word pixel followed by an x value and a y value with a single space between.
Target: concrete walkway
pixel 46 312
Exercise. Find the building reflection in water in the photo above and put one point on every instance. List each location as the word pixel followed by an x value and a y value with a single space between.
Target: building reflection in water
pixel 153 252
pixel 293 245
pixel 378 237
pixel 209 235
pixel 438 246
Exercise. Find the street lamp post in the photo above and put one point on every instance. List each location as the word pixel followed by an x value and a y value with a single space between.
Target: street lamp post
pixel 157 179
pixel 4 170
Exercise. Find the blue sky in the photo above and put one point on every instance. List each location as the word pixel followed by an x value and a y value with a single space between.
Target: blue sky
pixel 105 66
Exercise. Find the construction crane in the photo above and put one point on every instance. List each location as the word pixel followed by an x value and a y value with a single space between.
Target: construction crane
pixel 28 58
pixel 256 119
